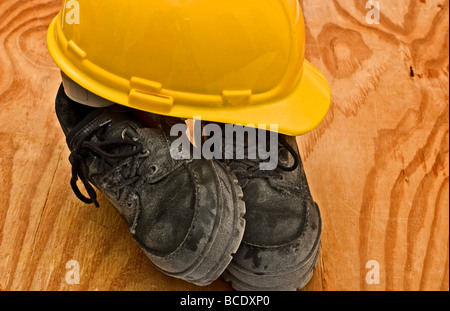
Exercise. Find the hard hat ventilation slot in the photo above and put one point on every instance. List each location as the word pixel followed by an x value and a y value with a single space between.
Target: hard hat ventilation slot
pixel 237 98
pixel 157 103
pixel 145 86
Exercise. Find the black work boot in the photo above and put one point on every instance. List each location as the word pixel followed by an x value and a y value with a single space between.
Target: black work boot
pixel 283 224
pixel 187 215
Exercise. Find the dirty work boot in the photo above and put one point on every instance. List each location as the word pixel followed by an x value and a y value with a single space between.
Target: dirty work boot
pixel 283 224
pixel 185 214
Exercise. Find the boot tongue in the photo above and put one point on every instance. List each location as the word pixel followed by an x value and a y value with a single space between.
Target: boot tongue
pixel 238 148
pixel 99 116
pixel 240 142
pixel 257 146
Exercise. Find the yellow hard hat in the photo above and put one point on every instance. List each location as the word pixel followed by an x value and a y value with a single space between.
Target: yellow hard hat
pixel 233 61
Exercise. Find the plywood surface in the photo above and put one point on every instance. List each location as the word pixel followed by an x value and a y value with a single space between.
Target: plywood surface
pixel 378 166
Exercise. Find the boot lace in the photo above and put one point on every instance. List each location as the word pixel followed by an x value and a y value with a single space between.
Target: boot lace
pixel 102 149
pixel 253 166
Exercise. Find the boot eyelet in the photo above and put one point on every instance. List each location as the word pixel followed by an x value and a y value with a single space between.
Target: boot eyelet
pixel 124 133
pixel 144 153
pixel 131 202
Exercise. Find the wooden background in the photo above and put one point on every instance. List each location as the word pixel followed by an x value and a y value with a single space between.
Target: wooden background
pixel 378 166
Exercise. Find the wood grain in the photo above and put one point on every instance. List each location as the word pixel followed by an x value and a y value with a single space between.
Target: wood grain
pixel 378 165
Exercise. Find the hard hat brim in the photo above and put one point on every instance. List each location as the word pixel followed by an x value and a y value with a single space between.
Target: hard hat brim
pixel 296 114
